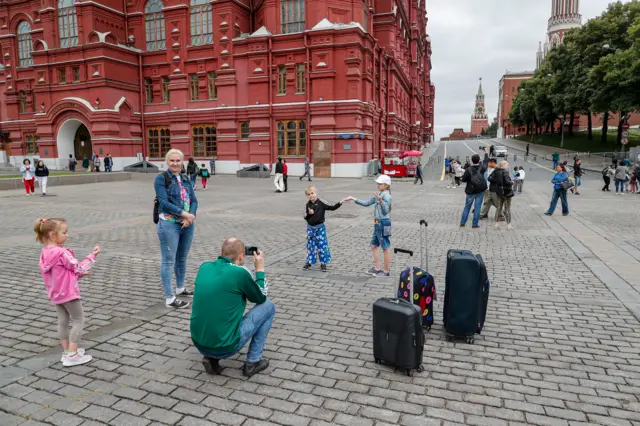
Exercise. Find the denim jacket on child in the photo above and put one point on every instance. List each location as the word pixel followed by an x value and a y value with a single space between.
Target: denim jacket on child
pixel 380 210
pixel 169 197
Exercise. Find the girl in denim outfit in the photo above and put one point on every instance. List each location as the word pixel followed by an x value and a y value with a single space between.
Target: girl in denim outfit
pixel 381 225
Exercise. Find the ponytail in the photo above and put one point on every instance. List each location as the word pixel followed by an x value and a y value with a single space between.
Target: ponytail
pixel 44 227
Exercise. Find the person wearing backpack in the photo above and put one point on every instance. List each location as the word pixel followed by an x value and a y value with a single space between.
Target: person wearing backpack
pixel 475 189
pixel 607 173
pixel 204 174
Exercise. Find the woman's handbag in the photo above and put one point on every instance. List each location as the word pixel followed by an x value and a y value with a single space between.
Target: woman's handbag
pixel 567 185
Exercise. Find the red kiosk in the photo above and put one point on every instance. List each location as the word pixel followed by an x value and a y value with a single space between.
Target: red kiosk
pixel 399 163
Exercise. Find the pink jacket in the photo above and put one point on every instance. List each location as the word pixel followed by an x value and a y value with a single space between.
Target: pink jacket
pixel 60 271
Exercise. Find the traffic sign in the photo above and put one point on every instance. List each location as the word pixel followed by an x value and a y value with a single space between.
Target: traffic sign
pixel 624 141
pixel 625 125
pixel 625 134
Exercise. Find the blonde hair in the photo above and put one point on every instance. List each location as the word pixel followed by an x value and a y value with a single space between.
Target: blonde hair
pixel 309 188
pixel 45 227
pixel 171 152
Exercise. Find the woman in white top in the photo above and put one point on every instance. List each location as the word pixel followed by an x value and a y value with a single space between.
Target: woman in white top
pixel 27 171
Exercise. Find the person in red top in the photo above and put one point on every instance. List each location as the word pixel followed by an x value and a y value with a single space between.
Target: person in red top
pixel 285 173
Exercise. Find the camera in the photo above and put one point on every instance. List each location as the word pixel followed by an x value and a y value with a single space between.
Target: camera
pixel 250 250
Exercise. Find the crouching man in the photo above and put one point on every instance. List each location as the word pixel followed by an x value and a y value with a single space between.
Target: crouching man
pixel 218 328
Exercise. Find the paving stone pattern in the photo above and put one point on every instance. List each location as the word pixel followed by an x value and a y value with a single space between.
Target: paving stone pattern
pixel 558 347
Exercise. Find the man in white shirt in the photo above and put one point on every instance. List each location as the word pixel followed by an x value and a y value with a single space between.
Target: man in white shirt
pixel 521 178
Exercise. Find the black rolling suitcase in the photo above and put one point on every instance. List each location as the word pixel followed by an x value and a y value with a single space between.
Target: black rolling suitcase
pixel 466 295
pixel 424 287
pixel 398 337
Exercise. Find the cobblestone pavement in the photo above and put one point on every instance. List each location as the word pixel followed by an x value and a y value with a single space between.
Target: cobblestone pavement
pixel 561 345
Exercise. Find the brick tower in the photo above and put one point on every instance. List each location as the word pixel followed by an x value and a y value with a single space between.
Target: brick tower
pixel 479 118
pixel 565 15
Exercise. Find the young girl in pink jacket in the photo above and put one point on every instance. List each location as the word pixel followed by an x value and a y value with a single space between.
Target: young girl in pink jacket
pixel 60 271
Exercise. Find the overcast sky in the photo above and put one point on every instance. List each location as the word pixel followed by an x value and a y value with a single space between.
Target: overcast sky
pixel 483 38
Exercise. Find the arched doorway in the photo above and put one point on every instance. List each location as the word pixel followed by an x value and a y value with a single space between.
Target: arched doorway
pixel 74 138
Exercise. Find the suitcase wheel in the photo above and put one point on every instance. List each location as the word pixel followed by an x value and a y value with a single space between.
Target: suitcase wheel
pixel 378 361
pixel 427 328
pixel 420 369
pixel 409 372
pixel 470 340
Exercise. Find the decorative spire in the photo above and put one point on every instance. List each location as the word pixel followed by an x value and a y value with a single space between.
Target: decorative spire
pixel 480 88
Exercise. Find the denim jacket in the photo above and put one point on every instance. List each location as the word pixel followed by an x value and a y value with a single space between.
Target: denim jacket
pixel 380 210
pixel 169 197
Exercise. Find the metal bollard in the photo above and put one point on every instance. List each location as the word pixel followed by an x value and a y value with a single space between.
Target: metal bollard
pixel 515 157
pixel 468 159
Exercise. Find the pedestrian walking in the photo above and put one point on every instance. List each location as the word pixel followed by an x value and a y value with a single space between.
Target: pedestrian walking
pixel 516 178
pixel 279 172
pixel 60 271
pixel 492 150
pixel 204 174
pixel 177 207
pixel 475 188
pixel 42 176
pixel 72 163
pixel 521 177
pixel 28 171
pixel 85 164
pixel 504 191
pixel 556 159
pixel 621 177
pixel 559 192
pixel 458 173
pixel 307 169
pixel 317 241
pixel 577 176
pixel 212 165
pixel 633 180
pixel 192 172
pixel 285 174
pixel 108 163
pixel 526 155
pixel 418 174
pixel 96 163
pixel 452 173
pixel 607 174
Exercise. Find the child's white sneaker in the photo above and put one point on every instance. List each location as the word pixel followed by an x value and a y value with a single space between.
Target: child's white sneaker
pixel 80 352
pixel 75 359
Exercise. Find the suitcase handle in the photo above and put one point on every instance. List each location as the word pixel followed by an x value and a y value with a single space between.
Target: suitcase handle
pixel 423 222
pixel 399 250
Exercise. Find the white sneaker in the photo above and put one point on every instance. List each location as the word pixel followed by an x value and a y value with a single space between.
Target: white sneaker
pixel 509 227
pixel 77 359
pixel 80 352
pixel 497 226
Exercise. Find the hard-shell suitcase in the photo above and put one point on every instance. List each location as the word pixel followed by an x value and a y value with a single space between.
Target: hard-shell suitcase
pixel 466 295
pixel 421 282
pixel 398 337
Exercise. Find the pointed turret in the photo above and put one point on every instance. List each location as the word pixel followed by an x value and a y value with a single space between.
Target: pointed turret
pixel 480 88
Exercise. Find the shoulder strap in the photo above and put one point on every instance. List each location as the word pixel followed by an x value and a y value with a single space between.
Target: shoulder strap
pixel 167 179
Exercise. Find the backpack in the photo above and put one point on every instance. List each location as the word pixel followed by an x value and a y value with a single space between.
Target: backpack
pixel 605 172
pixel 477 181
pixel 156 203
pixel 204 173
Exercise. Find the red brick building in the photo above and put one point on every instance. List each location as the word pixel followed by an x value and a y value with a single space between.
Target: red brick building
pixel 507 90
pixel 457 135
pixel 243 81
pixel 479 118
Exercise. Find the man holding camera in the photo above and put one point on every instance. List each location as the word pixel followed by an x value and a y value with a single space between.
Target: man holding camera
pixel 222 288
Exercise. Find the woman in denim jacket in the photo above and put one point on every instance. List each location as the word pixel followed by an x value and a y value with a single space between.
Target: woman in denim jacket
pixel 381 225
pixel 177 212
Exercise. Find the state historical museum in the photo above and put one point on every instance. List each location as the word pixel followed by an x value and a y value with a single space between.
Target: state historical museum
pixel 244 81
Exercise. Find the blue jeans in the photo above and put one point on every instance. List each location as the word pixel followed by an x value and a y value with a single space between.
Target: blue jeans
pixel 175 243
pixel 620 183
pixel 476 200
pixel 578 181
pixel 555 164
pixel 562 194
pixel 255 326
pixel 193 179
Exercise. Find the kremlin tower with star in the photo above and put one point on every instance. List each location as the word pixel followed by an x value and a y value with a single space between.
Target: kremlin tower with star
pixel 479 118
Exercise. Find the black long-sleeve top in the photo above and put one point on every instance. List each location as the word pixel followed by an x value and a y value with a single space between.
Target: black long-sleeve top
pixel 319 207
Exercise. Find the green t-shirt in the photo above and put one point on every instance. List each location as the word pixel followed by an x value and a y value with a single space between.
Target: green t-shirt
pixel 220 297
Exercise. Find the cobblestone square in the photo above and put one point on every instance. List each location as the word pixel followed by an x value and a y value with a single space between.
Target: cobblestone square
pixel 561 345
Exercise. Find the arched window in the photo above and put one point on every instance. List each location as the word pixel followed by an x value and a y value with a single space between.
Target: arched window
pixel 67 23
pixel 24 44
pixel 154 25
pixel 201 22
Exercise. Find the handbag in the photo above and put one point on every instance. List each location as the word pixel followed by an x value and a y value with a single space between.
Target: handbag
pixel 567 185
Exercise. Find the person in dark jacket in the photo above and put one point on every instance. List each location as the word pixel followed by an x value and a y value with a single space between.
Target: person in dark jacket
pixel 192 171
pixel 475 189
pixel 317 242
pixel 85 164
pixel 503 185
pixel 577 175
pixel 42 176
pixel 72 163
pixel 108 163
pixel 418 173
pixel 279 173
